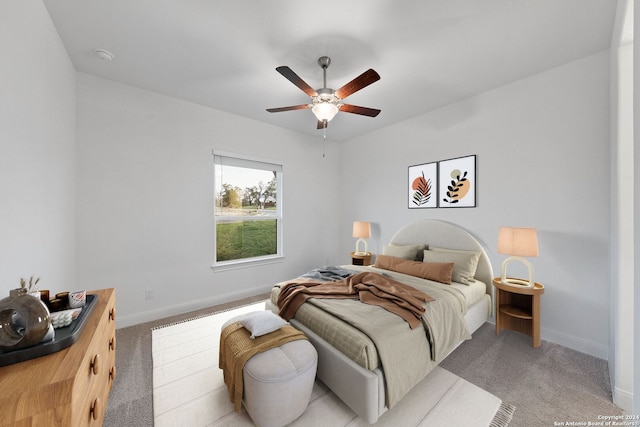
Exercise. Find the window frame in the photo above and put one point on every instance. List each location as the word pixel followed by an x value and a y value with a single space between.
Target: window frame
pixel 223 158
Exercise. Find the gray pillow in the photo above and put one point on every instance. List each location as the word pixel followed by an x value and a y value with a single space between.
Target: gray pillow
pixel 465 262
pixel 409 252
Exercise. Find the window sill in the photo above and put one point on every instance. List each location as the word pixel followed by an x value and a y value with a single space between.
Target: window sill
pixel 240 264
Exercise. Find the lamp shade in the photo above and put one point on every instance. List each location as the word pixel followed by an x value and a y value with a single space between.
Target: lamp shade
pixel 361 229
pixel 324 111
pixel 518 241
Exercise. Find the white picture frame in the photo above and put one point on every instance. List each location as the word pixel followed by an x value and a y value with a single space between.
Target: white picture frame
pixel 423 186
pixel 457 182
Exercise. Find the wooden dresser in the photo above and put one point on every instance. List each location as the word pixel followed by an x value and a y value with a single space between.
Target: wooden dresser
pixel 69 387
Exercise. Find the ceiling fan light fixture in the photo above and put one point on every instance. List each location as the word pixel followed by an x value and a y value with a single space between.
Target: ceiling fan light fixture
pixel 324 111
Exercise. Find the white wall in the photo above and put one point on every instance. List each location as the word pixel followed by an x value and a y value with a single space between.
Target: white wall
pixel 543 161
pixel 636 219
pixel 622 237
pixel 622 248
pixel 145 199
pixel 37 150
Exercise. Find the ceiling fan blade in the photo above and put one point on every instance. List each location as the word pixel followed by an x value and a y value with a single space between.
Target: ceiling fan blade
pixel 363 80
pixel 291 108
pixel 296 80
pixel 364 111
pixel 322 124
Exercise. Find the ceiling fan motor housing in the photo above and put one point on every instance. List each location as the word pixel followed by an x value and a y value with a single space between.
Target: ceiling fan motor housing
pixel 326 94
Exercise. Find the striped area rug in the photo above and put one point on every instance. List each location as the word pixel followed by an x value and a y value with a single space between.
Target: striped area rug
pixel 188 388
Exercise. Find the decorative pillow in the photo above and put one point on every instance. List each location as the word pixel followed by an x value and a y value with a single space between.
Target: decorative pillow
pixel 466 262
pixel 439 272
pixel 410 252
pixel 261 323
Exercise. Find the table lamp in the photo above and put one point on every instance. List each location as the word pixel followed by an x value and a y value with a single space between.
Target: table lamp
pixel 361 231
pixel 519 243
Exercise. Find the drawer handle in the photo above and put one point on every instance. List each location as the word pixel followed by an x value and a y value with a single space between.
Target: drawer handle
pixel 112 373
pixel 94 412
pixel 112 343
pixel 95 364
pixel 112 314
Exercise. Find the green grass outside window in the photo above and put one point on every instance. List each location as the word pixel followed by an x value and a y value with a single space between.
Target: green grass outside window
pixel 246 239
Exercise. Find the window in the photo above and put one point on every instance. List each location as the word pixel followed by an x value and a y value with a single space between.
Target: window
pixel 247 210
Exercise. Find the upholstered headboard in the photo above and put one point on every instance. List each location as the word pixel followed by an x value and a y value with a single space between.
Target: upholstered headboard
pixel 447 235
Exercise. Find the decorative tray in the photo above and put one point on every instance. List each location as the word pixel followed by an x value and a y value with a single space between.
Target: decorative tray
pixel 63 338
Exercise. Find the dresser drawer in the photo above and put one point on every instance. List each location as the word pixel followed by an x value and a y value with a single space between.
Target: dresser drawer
pixel 93 377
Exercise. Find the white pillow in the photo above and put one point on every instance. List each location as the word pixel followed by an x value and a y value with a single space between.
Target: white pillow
pixel 409 252
pixel 465 262
pixel 262 322
pixel 238 318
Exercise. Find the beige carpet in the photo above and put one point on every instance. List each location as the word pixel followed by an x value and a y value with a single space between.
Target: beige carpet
pixel 188 388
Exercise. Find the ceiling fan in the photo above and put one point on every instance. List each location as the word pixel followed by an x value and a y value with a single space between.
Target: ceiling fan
pixel 326 102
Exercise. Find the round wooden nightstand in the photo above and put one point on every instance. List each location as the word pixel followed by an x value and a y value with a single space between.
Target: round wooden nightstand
pixel 361 259
pixel 518 309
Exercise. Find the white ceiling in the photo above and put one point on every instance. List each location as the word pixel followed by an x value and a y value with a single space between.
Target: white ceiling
pixel 429 53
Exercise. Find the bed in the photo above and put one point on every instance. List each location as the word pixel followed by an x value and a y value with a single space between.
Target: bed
pixel 356 375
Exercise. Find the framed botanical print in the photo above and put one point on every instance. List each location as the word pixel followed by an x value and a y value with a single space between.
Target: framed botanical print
pixel 457 182
pixel 423 187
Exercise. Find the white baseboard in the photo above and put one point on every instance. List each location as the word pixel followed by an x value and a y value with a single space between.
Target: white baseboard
pixel 161 313
pixel 624 399
pixel 578 344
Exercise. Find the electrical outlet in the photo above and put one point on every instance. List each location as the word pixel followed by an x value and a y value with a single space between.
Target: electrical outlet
pixel 148 294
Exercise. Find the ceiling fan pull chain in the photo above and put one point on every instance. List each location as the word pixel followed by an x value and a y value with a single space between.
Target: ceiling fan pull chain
pixel 324 139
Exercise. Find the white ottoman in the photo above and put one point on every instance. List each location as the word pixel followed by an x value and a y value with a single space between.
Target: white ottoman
pixel 278 383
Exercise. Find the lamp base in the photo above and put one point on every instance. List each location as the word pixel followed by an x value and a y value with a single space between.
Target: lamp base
pixel 515 282
pixel 358 251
